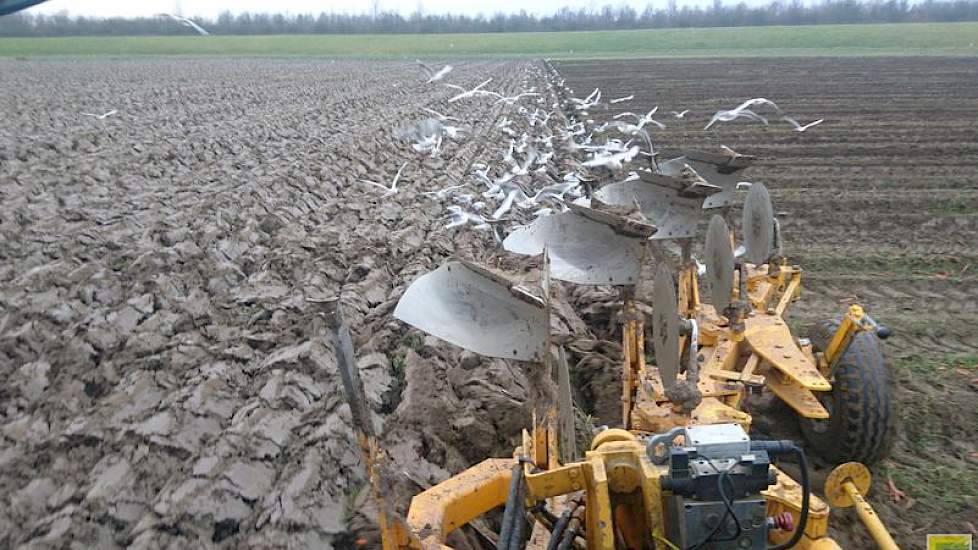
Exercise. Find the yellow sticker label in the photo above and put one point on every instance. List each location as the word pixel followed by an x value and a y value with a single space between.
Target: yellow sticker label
pixel 949 542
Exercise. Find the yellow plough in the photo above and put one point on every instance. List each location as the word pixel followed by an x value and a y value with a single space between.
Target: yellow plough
pixel 682 472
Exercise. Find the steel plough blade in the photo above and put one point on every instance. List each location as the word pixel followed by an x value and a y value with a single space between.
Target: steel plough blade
pixel 477 310
pixel 659 199
pixel 585 246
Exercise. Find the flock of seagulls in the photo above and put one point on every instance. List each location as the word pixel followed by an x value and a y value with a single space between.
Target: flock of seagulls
pixel 520 176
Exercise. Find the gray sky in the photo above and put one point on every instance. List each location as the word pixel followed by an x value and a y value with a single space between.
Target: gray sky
pixel 210 8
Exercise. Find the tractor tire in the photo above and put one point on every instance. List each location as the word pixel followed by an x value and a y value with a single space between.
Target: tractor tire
pixel 858 427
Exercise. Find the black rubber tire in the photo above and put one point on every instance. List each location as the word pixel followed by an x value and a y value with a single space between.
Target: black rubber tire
pixel 858 428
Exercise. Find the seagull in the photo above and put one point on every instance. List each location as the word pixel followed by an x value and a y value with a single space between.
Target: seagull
pixel 102 116
pixel 428 144
pixel 556 191
pixel 799 127
pixel 517 168
pixel 613 145
pixel 435 76
pixel 506 205
pixel 613 161
pixel 428 135
pixel 438 115
pixel 678 114
pixel 185 22
pixel 468 93
pixel 442 194
pixel 622 99
pixel 632 130
pixel 460 217
pixel 757 102
pixel 482 174
pixel 388 191
pixel 743 111
pixel 515 98
pixel 727 116
pixel 641 121
pixel 586 103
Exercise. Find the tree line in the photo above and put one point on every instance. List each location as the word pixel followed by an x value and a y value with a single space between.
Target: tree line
pixel 777 12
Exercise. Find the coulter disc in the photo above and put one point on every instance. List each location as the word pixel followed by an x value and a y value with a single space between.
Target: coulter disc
pixel 719 264
pixel 665 326
pixel 758 225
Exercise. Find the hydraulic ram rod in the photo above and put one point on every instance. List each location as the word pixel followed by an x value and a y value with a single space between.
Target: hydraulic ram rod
pixel 869 518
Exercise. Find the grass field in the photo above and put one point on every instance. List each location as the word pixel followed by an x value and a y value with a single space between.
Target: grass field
pixel 894 39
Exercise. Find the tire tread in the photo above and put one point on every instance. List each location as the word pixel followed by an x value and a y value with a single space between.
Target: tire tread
pixel 860 426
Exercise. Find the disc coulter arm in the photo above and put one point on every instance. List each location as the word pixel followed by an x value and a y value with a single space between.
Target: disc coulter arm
pixel 649 409
pixel 855 320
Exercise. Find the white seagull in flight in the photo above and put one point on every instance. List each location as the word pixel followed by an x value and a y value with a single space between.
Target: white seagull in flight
pixel 435 76
pixel 469 93
pixel 185 22
pixel 102 116
pixel 799 127
pixel 388 191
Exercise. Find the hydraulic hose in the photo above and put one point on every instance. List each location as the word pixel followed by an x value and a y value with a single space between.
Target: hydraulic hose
pixel 509 513
pixel 517 540
pixel 548 517
pixel 567 540
pixel 559 527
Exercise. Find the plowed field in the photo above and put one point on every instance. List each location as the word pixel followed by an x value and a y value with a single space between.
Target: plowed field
pixel 166 375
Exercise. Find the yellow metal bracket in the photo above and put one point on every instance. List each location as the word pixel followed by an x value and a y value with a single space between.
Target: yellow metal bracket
pixel 769 337
pixel 458 500
pixel 854 321
pixel 802 400
pixel 786 496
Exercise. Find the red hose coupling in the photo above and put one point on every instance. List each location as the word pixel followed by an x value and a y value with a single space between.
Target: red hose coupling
pixel 782 522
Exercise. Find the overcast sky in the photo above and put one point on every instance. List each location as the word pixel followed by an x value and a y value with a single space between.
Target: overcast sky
pixel 210 8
